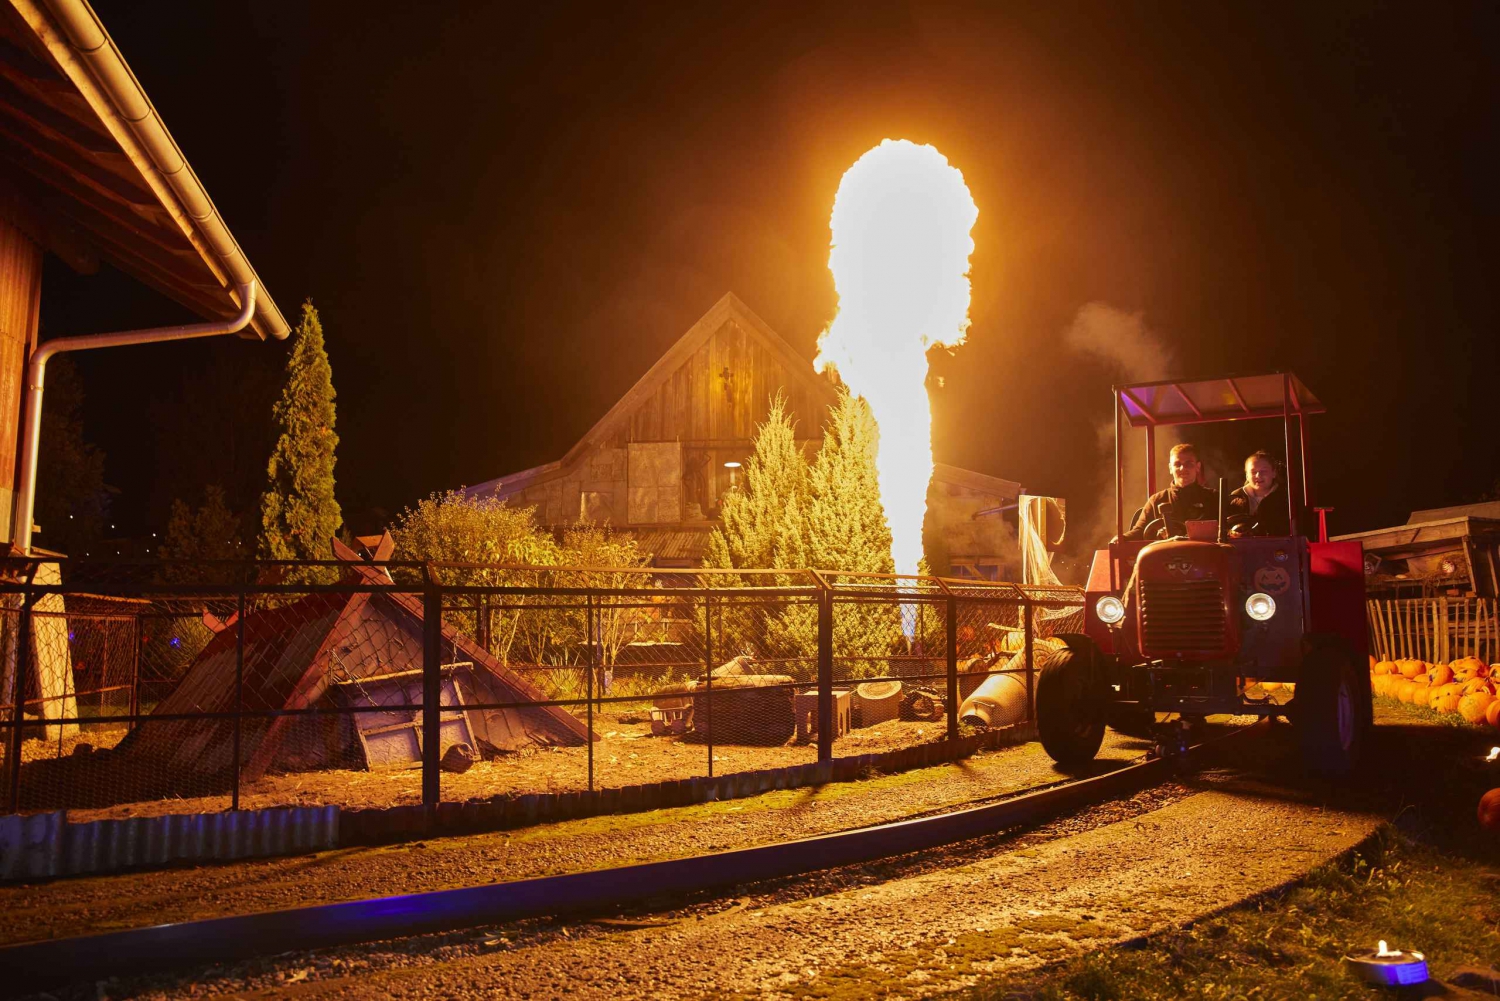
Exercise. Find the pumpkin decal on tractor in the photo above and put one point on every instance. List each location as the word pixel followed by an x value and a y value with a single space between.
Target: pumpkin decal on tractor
pixel 1272 580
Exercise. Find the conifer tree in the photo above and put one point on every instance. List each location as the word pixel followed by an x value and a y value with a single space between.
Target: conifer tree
pixel 208 532
pixel 299 514
pixel 761 523
pixel 763 527
pixel 847 530
pixel 846 523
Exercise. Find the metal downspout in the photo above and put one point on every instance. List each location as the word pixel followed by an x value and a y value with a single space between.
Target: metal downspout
pixel 36 374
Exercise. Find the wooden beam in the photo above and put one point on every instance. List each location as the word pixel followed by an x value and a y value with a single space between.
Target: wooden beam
pixel 43 115
pixel 47 230
pixel 66 197
pixel 37 149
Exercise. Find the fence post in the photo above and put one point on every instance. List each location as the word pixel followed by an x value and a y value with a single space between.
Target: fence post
pixel 588 685
pixel 825 673
pixel 951 628
pixel 18 697
pixel 1030 641
pixel 708 668
pixel 135 673
pixel 432 689
pixel 239 682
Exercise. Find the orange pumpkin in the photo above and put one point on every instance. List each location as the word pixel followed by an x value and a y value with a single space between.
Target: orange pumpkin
pixel 1404 689
pixel 1489 811
pixel 1439 674
pixel 1372 663
pixel 1454 688
pixel 1472 707
pixel 1410 668
pixel 1468 668
pixel 1419 694
pixel 1479 685
pixel 1385 667
pixel 1492 714
pixel 1447 702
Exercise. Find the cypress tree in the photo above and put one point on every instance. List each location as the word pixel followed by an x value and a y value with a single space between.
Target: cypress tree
pixel 846 523
pixel 847 530
pixel 299 515
pixel 762 524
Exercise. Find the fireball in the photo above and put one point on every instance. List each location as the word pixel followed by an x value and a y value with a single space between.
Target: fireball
pixel 900 260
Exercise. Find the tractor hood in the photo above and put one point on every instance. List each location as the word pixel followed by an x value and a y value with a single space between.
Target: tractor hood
pixel 1183 601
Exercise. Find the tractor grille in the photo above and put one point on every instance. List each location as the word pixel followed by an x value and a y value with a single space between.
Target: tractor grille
pixel 1186 617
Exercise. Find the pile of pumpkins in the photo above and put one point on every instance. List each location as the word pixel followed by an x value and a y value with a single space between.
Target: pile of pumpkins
pixel 1466 686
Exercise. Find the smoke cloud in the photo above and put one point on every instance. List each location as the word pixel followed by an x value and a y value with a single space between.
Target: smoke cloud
pixel 1132 352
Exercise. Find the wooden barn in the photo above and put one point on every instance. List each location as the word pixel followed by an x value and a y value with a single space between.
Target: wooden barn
pixel 660 461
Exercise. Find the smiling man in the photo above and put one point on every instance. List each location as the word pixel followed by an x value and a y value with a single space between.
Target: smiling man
pixel 1187 499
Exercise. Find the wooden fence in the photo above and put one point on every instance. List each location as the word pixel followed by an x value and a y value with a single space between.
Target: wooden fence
pixel 1434 629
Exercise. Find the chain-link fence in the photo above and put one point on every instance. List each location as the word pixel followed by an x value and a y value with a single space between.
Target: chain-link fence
pixel 146 689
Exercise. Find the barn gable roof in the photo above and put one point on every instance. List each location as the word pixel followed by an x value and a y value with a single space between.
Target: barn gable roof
pixel 729 307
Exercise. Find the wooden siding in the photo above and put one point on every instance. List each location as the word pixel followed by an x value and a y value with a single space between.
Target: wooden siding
pixel 723 392
pixel 20 294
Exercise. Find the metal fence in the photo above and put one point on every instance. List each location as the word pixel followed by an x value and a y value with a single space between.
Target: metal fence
pixel 131 689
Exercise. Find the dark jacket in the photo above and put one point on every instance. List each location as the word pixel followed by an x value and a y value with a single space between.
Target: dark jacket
pixel 1268 519
pixel 1176 505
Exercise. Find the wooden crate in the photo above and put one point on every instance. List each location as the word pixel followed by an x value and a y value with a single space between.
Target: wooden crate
pixel 805 709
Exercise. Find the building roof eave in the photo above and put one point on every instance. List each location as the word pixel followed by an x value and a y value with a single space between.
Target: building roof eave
pixel 77 42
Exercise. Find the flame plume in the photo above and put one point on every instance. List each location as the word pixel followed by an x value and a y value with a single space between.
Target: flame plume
pixel 900 261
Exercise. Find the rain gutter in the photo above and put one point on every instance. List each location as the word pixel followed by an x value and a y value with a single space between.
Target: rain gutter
pixel 76 40
pixel 36 375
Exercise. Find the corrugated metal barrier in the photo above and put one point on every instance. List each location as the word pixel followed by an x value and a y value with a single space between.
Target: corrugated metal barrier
pixel 44 845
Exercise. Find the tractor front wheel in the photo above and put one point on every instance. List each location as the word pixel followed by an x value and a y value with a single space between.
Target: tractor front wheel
pixel 1329 712
pixel 1072 700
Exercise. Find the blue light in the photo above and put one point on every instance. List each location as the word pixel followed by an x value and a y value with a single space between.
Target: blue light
pixel 177 641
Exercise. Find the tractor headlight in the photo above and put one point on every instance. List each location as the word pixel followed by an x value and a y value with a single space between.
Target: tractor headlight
pixel 1260 607
pixel 1110 609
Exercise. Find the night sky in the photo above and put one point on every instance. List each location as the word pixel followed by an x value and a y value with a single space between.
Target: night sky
pixel 506 215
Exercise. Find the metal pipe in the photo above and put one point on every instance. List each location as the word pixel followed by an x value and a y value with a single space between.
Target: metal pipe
pixel 1000 699
pixel 36 375
pixel 1150 459
pixel 1286 444
pixel 1119 469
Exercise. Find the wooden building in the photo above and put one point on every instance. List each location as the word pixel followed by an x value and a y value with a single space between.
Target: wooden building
pixel 90 173
pixel 659 463
pixel 1447 551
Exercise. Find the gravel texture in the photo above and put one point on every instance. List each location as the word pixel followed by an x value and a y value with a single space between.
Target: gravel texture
pixel 913 927
pixel 104 903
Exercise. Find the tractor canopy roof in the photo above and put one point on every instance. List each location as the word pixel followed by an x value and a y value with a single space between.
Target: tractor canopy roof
pixel 1206 401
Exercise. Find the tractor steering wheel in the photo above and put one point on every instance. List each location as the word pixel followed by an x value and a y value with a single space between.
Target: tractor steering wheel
pixel 1156 529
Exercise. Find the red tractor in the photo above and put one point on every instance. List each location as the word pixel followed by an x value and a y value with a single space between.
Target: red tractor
pixel 1199 619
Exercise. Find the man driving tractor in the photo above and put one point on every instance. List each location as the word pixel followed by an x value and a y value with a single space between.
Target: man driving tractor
pixel 1187 499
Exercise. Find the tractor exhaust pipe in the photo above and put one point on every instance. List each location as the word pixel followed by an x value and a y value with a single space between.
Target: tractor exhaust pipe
pixel 1222 512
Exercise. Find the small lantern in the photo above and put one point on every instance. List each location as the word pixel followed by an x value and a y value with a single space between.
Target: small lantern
pixel 1389 967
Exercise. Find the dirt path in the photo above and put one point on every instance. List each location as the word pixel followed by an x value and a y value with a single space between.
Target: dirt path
pixel 103 903
pixel 906 937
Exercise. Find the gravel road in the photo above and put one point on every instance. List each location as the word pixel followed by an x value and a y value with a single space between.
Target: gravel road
pixel 882 931
pixel 104 903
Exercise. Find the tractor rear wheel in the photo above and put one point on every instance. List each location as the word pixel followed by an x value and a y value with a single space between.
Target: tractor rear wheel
pixel 1330 713
pixel 1072 700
